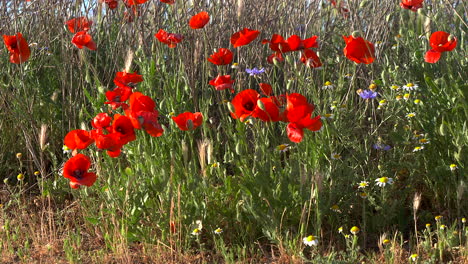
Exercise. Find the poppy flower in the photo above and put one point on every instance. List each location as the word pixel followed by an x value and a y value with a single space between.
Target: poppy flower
pixel 101 121
pixel 112 4
pixel 78 24
pixel 412 5
pixel 170 39
pixel 222 82
pixel 246 103
pixel 440 42
pixel 222 57
pixel 83 39
pixel 278 57
pixel 300 118
pixel 124 127
pixel 78 139
pixel 127 79
pixel 244 37
pixel 134 2
pixel 310 58
pixel 76 170
pixel 143 114
pixel 267 110
pixel 117 97
pixel 199 20
pixel 293 43
pixel 344 10
pixel 188 121
pixel 266 89
pixel 359 50
pixel 18 48
pixel 170 2
pixel 110 142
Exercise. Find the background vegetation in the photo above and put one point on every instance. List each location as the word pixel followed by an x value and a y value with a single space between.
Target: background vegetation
pixel 230 174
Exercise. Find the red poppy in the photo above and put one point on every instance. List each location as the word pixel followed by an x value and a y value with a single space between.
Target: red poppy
pixel 359 50
pixel 127 79
pixel 293 43
pixel 310 58
pixel 343 7
pixel 76 170
pixel 101 121
pixel 134 2
pixel 199 20
pixel 278 57
pixel 170 39
pixel 222 82
pixel 112 4
pixel 440 41
pixel 78 139
pixel 143 114
pixel 83 39
pixel 110 142
pixel 18 48
pixel 244 37
pixel 246 103
pixel 266 89
pixel 117 97
pixel 267 110
pixel 124 127
pixel 188 121
pixel 301 117
pixel 78 24
pixel 168 1
pixel 222 57
pixel 412 5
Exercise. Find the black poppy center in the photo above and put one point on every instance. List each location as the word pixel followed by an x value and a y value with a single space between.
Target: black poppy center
pixel 249 106
pixel 78 174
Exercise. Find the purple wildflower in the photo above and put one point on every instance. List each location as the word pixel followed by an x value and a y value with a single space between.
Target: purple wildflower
pixel 380 146
pixel 367 94
pixel 255 71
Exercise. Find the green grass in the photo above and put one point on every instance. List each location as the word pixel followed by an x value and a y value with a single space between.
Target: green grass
pixel 227 173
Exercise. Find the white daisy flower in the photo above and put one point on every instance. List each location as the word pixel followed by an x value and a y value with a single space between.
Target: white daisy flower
pixel 310 241
pixel 410 87
pixel 328 85
pixel 384 181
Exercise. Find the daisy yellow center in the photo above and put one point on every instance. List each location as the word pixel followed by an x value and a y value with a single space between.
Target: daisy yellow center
pixel 411 115
pixel 373 86
pixel 335 207
pixel 410 85
pixel 327 83
pixel 423 140
pixel 328 115
pixel 196 231
pixel 394 87
pixel 383 180
pixel 336 156
pixel 407 96
pixel 417 101
pixel 363 184
pixel 310 238
pixel 354 229
pixel 453 166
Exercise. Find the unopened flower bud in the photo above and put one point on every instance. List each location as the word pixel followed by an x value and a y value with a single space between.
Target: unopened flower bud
pixel 261 105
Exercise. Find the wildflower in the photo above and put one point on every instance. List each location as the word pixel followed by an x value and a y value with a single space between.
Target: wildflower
pixel 417 101
pixel 221 57
pixel 170 39
pixel 453 167
pixel 199 20
pixel 348 76
pixel 398 97
pixel 414 257
pixel 283 147
pixel 335 156
pixel 310 58
pixel 215 165
pixel 363 184
pixel 442 227
pixel 19 155
pixel 380 146
pixel 367 94
pixel 363 195
pixel 294 43
pixel 83 39
pixel 76 169
pixel 394 46
pixel 440 42
pixel 196 231
pixel 66 149
pixel 245 104
pixel 418 148
pixel 424 141
pixel 20 177
pixel 359 50
pixel 78 139
pixel 373 87
pixel 222 82
pixel 78 24
pixel 244 37
pixel 384 181
pixel 101 121
pixel 170 2
pixel 406 96
pixel 340 229
pixel 346 236
pixel 354 230
pixel 188 121
pixel 255 71
pixel 382 102
pixel 310 241
pixel 463 220
pixel 235 65
pixel 218 231
pixel 395 87
pixel 125 78
pixel 299 115
pixel 410 87
pixel 386 242
pixel 37 173
pixel 328 85
pixel 438 217
pixel 335 208
pixel 328 116
pixel 265 88
pixel 18 48
pixel 411 115
pixel 428 225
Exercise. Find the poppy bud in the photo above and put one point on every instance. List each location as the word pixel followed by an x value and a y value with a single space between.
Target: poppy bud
pixel 231 107
pixel 451 38
pixel 238 148
pixel 355 34
pixel 261 105
pixel 363 3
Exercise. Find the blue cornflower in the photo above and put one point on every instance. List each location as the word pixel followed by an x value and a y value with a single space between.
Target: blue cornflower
pixel 380 146
pixel 255 71
pixel 367 94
